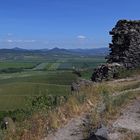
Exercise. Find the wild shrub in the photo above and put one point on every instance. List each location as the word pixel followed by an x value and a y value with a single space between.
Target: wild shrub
pixel 47 102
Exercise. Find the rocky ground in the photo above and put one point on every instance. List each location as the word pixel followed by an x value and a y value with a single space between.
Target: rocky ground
pixel 127 122
pixel 71 131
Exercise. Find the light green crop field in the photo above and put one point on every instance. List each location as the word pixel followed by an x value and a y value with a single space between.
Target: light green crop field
pixel 80 63
pixel 32 89
pixel 54 66
pixel 48 77
pixel 70 63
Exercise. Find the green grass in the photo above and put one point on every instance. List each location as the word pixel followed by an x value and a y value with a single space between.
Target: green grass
pixel 53 66
pixel 69 63
pixel 123 73
pixel 11 102
pixel 41 66
pixel 39 83
pixel 81 63
pixel 55 78
pixel 13 64
pixel 87 74
pixel 28 89
pixel 12 96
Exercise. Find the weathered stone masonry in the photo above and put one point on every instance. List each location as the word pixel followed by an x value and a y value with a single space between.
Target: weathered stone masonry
pixel 124 50
pixel 125 46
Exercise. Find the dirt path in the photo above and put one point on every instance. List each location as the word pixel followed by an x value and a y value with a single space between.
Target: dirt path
pixel 125 91
pixel 71 131
pixel 129 121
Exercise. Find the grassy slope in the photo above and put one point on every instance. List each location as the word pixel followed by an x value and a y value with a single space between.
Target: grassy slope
pixel 19 88
pixel 74 106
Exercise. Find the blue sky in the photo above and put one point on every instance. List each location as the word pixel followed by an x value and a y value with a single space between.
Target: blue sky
pixel 35 24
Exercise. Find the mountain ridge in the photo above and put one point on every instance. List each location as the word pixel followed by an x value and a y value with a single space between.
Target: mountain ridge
pixel 78 51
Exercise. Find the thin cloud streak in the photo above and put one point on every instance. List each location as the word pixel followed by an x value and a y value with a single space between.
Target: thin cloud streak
pixel 81 37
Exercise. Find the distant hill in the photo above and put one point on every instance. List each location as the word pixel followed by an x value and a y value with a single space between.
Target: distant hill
pixel 20 53
pixel 87 52
pixel 95 51
pixel 18 49
pixel 58 51
pixel 15 49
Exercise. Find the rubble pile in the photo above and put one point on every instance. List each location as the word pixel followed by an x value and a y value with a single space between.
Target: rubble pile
pixel 106 72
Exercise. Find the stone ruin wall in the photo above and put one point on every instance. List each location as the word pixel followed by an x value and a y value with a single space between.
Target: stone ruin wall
pixel 125 46
pixel 124 50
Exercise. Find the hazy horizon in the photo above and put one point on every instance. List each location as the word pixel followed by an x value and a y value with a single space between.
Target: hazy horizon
pixel 54 48
pixel 45 24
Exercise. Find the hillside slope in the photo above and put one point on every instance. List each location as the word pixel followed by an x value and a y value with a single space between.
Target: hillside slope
pixel 128 120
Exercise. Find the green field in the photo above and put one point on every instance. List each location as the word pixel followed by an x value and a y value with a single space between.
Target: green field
pixel 51 76
pixel 21 86
pixel 70 63
pixel 17 64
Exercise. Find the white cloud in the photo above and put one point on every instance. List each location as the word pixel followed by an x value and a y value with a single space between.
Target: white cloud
pixel 17 41
pixel 81 37
pixel 9 41
pixel 29 41
pixel 9 34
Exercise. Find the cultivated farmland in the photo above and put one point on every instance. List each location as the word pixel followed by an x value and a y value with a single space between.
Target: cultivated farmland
pixel 47 76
